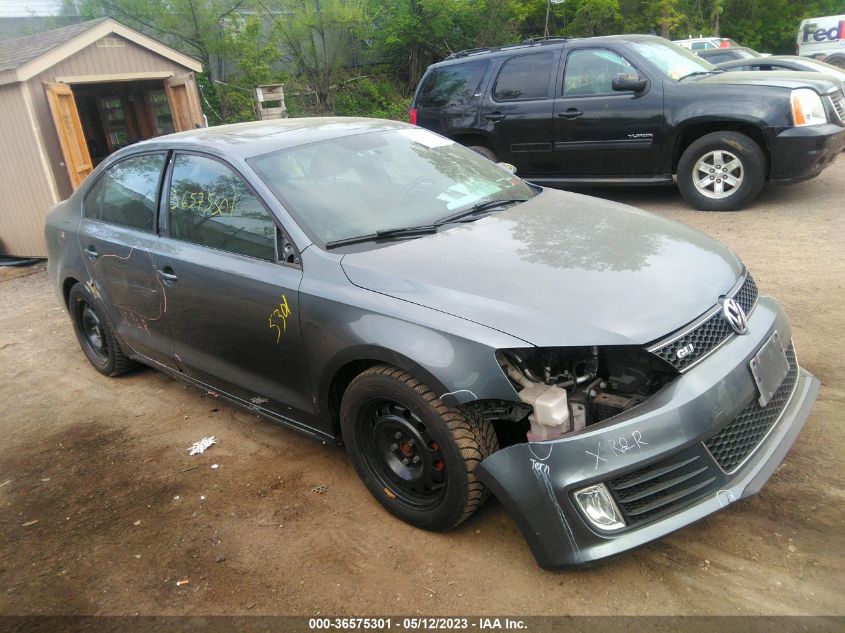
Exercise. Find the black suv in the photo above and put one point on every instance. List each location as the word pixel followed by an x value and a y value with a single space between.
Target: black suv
pixel 634 109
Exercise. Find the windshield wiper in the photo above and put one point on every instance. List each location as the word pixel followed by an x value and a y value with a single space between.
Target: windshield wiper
pixel 405 231
pixel 702 72
pixel 424 229
pixel 488 205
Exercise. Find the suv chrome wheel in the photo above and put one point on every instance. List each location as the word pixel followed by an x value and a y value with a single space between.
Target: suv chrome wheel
pixel 718 174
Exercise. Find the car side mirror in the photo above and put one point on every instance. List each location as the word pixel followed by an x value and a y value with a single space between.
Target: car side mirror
pixel 625 82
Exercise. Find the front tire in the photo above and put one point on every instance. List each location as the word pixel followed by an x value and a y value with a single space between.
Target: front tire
pixel 722 171
pixel 415 455
pixel 95 333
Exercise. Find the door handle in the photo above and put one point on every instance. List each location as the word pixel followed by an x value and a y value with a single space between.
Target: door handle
pixel 167 274
pixel 92 253
pixel 495 116
pixel 571 113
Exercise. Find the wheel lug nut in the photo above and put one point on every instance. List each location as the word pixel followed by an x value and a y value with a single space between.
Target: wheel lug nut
pixel 416 459
pixel 397 435
pixel 718 180
pixel 711 171
pixel 394 447
pixel 712 177
pixel 406 461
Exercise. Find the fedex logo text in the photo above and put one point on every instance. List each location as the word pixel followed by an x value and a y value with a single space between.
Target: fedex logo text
pixel 820 35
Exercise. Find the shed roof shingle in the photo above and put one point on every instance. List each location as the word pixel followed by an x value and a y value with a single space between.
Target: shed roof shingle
pixel 15 53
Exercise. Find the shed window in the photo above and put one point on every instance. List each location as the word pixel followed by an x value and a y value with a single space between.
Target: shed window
pixel 127 194
pixel 212 206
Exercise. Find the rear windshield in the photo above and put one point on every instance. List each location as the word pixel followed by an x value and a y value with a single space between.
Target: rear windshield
pixel 451 85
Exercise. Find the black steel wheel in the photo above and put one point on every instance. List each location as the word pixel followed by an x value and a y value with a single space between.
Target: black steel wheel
pixel 400 452
pixel 95 333
pixel 415 455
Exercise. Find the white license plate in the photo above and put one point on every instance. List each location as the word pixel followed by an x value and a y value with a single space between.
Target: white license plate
pixel 769 367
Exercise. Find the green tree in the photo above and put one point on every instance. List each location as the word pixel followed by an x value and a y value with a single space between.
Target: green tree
pixel 320 36
pixel 662 16
pixel 597 17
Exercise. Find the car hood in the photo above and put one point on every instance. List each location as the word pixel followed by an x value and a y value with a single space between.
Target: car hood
pixel 774 78
pixel 561 269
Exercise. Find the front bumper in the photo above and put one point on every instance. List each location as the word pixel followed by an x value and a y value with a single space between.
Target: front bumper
pixel 801 153
pixel 535 481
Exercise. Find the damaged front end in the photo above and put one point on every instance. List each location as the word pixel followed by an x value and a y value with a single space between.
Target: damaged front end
pixel 612 447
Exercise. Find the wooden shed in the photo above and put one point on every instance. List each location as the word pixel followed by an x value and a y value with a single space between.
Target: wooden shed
pixel 69 98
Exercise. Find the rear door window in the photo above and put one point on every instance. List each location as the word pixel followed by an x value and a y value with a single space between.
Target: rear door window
pixel 452 85
pixel 127 194
pixel 211 205
pixel 524 77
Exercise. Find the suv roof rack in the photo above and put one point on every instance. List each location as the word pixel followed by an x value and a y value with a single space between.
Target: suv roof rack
pixel 545 38
pixel 534 41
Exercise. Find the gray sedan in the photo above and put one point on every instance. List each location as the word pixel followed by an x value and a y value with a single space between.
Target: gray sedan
pixel 609 375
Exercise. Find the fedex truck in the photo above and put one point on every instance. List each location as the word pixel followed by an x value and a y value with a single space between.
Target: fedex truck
pixel 823 38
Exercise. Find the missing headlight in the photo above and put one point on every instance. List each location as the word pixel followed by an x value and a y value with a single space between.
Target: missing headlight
pixel 592 383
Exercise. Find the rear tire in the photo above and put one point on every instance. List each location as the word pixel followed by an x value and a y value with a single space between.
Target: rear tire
pixel 837 59
pixel 722 171
pixel 484 151
pixel 415 455
pixel 95 333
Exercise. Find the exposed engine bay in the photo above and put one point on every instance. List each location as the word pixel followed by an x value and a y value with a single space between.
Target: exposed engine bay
pixel 565 390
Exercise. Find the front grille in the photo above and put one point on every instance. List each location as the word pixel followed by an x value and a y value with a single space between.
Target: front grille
pixel 665 486
pixel 736 441
pixel 708 335
pixel 838 102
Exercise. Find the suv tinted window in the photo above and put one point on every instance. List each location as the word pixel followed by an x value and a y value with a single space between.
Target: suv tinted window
pixel 211 205
pixel 127 193
pixel 524 77
pixel 591 72
pixel 451 85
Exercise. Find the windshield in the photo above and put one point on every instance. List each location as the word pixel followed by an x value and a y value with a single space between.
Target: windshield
pixel 675 62
pixel 360 184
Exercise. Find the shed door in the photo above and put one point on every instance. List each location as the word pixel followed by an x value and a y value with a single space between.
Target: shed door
pixel 184 102
pixel 71 136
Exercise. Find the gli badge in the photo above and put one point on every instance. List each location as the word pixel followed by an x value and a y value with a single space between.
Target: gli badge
pixel 685 351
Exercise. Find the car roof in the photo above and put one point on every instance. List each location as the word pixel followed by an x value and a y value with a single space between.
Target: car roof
pixel 246 140
pixel 534 44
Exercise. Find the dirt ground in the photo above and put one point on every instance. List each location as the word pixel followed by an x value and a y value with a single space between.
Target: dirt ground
pixel 102 511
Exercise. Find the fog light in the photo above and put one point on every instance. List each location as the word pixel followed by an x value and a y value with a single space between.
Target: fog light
pixel 598 506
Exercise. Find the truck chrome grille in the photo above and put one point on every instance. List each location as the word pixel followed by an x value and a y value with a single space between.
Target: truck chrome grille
pixel 707 335
pixel 838 102
pixel 665 486
pixel 736 441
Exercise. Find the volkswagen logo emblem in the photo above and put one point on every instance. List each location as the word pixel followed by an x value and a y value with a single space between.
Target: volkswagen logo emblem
pixel 735 316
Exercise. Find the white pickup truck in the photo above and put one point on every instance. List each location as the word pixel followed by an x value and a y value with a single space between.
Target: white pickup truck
pixel 824 39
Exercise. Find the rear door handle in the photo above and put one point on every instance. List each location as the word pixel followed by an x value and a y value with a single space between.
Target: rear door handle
pixel 167 274
pixel 92 253
pixel 571 113
pixel 495 116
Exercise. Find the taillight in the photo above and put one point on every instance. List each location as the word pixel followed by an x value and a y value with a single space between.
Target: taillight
pixel 724 44
pixel 412 116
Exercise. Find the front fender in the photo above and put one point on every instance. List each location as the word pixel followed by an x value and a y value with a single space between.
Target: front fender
pixel 343 323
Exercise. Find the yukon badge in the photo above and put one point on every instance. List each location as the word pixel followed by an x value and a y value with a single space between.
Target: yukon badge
pixel 733 313
pixel 685 351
